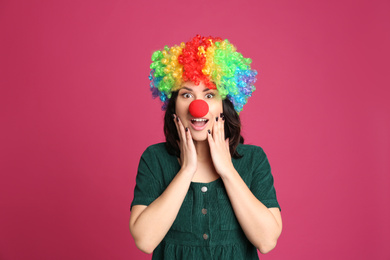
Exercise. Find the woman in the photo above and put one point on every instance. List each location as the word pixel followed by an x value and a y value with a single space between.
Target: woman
pixel 203 194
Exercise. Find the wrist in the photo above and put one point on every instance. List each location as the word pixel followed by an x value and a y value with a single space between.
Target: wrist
pixel 188 169
pixel 227 172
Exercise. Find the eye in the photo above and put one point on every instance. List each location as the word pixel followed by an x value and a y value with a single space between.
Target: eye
pixel 209 95
pixel 187 95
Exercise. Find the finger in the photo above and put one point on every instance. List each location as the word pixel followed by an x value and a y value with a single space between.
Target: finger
pixel 190 142
pixel 181 130
pixel 222 126
pixel 220 131
pixel 216 134
pixel 222 116
pixel 210 139
pixel 227 144
pixel 175 119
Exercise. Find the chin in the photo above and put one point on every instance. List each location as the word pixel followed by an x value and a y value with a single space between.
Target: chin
pixel 199 137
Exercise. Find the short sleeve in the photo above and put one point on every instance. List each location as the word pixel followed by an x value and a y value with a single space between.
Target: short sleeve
pixel 148 187
pixel 262 185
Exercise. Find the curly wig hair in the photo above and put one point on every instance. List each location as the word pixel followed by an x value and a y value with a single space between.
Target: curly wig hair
pixel 213 61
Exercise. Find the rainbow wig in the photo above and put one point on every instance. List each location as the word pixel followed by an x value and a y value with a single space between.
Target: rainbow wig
pixel 211 60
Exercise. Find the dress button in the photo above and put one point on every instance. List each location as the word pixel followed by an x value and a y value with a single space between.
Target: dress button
pixel 204 211
pixel 204 189
pixel 205 236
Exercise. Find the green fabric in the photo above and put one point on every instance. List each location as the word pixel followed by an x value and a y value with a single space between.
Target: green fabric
pixel 185 239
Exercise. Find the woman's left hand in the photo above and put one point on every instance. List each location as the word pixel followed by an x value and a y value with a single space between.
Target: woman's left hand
pixel 219 147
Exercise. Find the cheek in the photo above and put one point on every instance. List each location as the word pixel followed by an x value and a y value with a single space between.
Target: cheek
pixel 216 108
pixel 181 108
pixel 178 106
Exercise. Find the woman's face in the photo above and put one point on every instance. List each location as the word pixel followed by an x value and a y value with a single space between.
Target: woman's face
pixel 190 92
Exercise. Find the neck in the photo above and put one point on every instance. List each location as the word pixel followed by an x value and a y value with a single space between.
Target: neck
pixel 203 151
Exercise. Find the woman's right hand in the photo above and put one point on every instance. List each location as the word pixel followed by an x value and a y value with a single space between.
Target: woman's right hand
pixel 149 224
pixel 188 157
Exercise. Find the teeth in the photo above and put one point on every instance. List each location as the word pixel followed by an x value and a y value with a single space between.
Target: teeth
pixel 199 119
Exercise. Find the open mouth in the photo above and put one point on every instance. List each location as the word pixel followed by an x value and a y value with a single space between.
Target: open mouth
pixel 199 122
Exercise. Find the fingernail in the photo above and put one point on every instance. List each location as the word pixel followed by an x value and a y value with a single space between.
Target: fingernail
pixel 223 118
pixel 186 129
pixel 208 131
pixel 216 119
pixel 177 119
pixel 173 116
pixel 221 115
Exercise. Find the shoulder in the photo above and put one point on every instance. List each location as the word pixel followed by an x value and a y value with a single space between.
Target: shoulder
pixel 249 150
pixel 252 156
pixel 156 154
pixel 253 164
pixel 156 150
pixel 156 161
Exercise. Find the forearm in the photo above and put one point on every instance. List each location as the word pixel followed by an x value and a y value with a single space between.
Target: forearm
pixel 259 224
pixel 152 224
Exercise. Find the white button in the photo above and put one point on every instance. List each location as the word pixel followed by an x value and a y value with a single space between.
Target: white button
pixel 205 236
pixel 204 211
pixel 204 189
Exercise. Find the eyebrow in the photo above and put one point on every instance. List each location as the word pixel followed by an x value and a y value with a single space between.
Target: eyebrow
pixel 190 89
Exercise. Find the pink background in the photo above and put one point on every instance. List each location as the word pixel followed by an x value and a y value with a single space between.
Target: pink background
pixel 76 113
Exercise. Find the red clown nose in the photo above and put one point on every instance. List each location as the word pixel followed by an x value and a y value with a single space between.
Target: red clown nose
pixel 199 108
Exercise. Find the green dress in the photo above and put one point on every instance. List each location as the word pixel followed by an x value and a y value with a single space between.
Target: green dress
pixel 206 226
